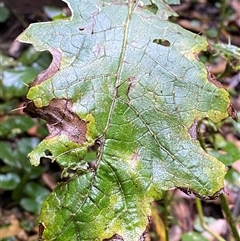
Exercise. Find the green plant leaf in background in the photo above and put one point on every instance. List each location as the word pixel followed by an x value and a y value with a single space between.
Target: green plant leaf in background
pixel 6 62
pixel 4 12
pixel 13 125
pixel 16 76
pixel 9 181
pixel 125 82
pixel 36 194
pixel 228 154
pixel 14 156
pixel 16 172
pixel 193 236
pixel 230 52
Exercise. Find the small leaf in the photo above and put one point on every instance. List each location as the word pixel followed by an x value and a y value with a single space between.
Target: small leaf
pixel 15 156
pixel 36 195
pixel 14 125
pixel 53 12
pixel 9 181
pixel 15 81
pixel 31 57
pixel 4 12
pixel 172 1
pixel 226 151
pixel 230 52
pixel 233 177
pixel 7 61
pixel 36 191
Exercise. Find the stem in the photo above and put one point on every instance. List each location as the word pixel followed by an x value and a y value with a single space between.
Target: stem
pixel 236 209
pixel 203 224
pixel 166 213
pixel 228 216
pixel 222 18
pixel 159 224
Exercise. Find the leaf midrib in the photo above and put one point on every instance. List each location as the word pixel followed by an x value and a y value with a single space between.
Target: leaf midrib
pixel 131 6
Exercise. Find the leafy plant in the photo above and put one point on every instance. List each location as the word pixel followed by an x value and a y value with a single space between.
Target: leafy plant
pixel 231 53
pixel 15 143
pixel 127 83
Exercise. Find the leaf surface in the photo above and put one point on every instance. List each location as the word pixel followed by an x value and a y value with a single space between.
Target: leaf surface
pixel 125 82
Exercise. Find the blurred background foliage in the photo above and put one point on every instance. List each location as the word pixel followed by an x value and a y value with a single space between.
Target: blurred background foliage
pixel 17 175
pixel 24 187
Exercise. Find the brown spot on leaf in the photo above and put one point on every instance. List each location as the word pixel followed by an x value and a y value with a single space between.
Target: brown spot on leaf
pixel 189 191
pixel 146 231
pixel 61 120
pixel 51 70
pixel 115 237
pixel 193 130
pixel 135 157
pixel 212 79
pixel 41 229
pixel 132 82
pixel 162 42
pixel 232 112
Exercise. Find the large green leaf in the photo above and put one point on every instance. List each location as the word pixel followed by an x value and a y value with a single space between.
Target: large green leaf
pixel 125 82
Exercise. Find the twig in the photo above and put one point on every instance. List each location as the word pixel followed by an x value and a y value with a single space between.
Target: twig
pixel 203 224
pixel 228 216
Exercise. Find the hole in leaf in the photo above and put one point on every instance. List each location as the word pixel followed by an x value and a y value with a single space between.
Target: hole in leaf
pixel 92 165
pixel 47 153
pixel 71 171
pixel 152 8
pixel 162 42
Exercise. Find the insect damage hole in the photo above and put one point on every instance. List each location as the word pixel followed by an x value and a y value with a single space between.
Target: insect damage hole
pixel 162 42
pixel 47 153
